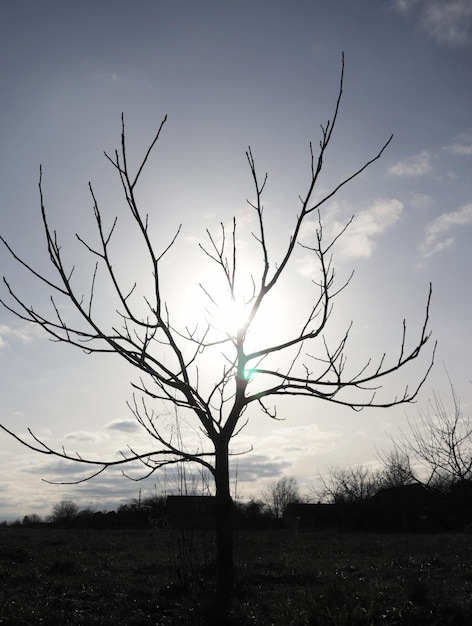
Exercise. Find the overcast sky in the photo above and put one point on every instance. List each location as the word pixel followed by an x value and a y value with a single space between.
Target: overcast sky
pixel 229 75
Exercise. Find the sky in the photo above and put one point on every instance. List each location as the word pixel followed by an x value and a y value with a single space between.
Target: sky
pixel 231 75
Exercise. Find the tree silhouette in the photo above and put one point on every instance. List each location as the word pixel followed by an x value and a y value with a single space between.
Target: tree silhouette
pixel 279 494
pixel 170 359
pixel 440 442
pixel 64 512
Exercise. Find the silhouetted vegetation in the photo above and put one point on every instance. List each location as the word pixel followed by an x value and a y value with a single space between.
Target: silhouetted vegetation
pixel 279 494
pixel 439 443
pixel 64 512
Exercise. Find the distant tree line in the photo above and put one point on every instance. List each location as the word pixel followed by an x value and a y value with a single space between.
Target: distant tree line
pixel 424 482
pixel 265 512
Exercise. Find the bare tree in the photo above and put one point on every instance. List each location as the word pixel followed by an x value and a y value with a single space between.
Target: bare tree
pixel 277 495
pixel 350 485
pixel 32 520
pixel 64 512
pixel 170 360
pixel 440 440
pixel 397 469
pixel 358 484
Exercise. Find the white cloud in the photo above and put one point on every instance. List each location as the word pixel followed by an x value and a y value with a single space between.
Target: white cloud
pixel 283 448
pixel 82 435
pixel 413 166
pixel 420 200
pixel 254 468
pixel 107 77
pixel 359 241
pixel 404 5
pixel 449 21
pixel 126 425
pixel 460 149
pixel 435 238
pixel 446 21
pixel 27 332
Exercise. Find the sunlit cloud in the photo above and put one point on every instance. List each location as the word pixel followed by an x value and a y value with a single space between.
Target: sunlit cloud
pixel 107 77
pixel 283 447
pixel 462 146
pixel 25 333
pixel 404 5
pixel 461 149
pixel 105 493
pixel 123 425
pixel 449 21
pixel 360 239
pixel 420 200
pixel 81 435
pixel 417 165
pixel 252 468
pixel 57 470
pixel 438 237
pixel 446 21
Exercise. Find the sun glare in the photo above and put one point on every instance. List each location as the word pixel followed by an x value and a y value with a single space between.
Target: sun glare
pixel 230 315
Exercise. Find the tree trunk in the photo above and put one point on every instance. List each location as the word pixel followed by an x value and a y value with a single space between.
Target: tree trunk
pixel 224 536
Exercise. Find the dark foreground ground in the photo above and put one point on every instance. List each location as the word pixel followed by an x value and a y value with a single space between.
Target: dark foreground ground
pixel 161 577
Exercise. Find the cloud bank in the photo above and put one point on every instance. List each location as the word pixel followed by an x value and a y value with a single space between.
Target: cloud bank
pixel 446 21
pixel 417 165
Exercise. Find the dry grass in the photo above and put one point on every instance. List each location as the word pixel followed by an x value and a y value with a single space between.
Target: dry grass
pixel 63 577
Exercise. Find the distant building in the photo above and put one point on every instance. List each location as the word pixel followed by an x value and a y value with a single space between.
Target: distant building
pixel 302 516
pixel 407 508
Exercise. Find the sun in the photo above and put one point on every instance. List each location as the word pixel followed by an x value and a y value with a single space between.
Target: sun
pixel 228 314
pixel 235 314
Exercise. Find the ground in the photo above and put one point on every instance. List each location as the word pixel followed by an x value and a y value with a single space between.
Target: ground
pixel 161 577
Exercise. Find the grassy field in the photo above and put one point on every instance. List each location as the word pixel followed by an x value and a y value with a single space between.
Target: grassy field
pixel 162 577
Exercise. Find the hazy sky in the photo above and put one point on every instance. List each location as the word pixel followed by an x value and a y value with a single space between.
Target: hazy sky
pixel 228 75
